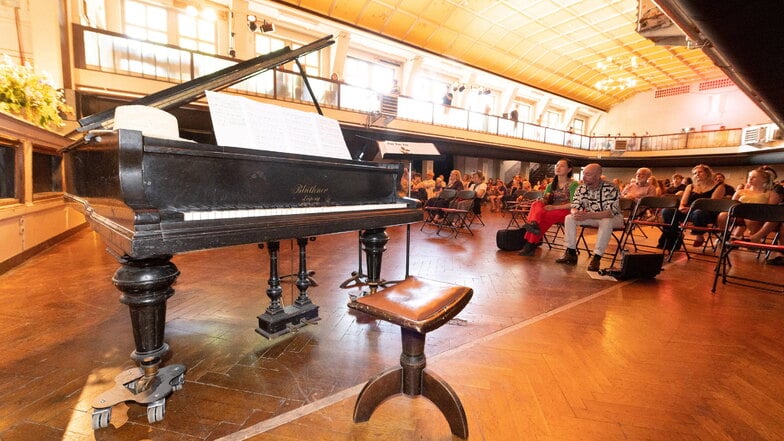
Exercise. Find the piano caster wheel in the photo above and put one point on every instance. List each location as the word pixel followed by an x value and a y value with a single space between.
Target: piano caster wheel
pixel 156 411
pixel 177 382
pixel 101 417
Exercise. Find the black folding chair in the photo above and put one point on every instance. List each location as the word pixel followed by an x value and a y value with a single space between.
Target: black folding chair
pixel 520 209
pixel 626 206
pixel 712 206
pixel 636 220
pixel 765 278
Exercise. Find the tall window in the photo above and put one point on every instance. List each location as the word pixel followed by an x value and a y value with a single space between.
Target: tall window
pixel 369 75
pixel 145 22
pixel 47 173
pixel 429 89
pixel 551 119
pixel 7 172
pixel 523 113
pixel 266 44
pixel 578 126
pixel 197 33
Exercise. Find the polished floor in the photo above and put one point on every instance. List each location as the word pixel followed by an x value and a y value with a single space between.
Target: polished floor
pixel 542 352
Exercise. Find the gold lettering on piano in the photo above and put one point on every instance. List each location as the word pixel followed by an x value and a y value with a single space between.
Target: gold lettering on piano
pixel 310 189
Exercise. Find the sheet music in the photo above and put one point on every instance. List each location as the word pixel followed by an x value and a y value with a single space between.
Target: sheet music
pixel 242 122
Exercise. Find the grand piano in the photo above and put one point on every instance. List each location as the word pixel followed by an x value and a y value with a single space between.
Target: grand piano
pixel 151 198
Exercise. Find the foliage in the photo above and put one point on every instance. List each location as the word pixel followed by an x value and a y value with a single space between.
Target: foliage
pixel 30 95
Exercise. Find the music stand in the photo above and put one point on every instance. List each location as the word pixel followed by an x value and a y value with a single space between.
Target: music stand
pixel 391 150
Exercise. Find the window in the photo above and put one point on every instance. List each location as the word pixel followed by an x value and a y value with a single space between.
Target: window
pixel 551 119
pixel 145 22
pixel 430 89
pixel 47 175
pixel 7 172
pixel 523 112
pixel 196 33
pixel 369 75
pixel 578 126
pixel 266 44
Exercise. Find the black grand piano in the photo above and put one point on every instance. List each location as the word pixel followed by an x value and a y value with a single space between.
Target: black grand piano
pixel 151 198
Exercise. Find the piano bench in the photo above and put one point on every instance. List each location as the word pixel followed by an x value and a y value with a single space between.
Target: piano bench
pixel 418 306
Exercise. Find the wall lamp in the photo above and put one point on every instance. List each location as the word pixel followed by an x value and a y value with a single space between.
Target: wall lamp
pixel 262 26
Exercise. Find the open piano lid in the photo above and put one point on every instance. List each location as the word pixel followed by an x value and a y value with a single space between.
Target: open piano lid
pixel 195 89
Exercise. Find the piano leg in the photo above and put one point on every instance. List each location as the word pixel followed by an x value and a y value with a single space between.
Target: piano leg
pixel 277 319
pixel 374 242
pixel 145 284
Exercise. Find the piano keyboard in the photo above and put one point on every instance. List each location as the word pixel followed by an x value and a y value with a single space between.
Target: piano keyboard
pixel 261 212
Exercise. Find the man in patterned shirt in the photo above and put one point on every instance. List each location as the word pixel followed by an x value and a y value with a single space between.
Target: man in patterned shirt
pixel 595 203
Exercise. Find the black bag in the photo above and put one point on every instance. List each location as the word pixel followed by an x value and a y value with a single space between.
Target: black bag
pixel 510 240
pixel 637 266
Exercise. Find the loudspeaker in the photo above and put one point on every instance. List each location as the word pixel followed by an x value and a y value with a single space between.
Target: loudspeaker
pixel 510 240
pixel 637 266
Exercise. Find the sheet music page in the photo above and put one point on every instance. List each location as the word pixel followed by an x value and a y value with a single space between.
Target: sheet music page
pixel 242 122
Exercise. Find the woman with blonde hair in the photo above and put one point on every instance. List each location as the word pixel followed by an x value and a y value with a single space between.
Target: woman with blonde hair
pixel 758 190
pixel 702 186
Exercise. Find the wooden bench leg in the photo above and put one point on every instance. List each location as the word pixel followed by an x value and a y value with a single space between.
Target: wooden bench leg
pixel 445 398
pixel 412 379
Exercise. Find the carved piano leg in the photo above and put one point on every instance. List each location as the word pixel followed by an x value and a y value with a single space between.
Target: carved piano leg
pixel 277 319
pixel 145 285
pixel 374 242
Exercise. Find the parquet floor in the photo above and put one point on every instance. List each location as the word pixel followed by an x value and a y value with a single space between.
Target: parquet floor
pixel 545 352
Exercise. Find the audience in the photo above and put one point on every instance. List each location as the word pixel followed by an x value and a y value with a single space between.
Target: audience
pixel 678 185
pixel 552 208
pixel 595 203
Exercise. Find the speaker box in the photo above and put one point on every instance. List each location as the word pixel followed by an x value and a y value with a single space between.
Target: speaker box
pixel 639 266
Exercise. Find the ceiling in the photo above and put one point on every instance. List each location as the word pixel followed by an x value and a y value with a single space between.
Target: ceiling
pixel 553 45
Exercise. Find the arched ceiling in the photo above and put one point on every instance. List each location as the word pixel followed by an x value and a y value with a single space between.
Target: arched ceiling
pixel 553 45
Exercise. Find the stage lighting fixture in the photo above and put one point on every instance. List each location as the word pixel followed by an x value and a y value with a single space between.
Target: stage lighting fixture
pixel 252 25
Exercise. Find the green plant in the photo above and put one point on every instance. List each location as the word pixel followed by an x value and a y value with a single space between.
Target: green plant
pixel 30 95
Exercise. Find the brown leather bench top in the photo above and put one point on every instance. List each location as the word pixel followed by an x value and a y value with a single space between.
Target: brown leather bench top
pixel 416 303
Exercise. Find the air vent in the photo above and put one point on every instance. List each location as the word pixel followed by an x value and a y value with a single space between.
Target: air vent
pixel 678 90
pixel 716 84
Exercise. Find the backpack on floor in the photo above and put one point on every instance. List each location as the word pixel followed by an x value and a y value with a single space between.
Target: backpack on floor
pixel 510 240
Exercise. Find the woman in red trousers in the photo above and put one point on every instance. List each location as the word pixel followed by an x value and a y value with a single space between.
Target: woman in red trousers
pixel 552 208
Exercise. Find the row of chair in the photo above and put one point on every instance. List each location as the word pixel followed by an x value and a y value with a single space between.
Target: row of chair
pixel 458 217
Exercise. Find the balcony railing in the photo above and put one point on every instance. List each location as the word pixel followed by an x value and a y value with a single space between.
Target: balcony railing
pixel 105 51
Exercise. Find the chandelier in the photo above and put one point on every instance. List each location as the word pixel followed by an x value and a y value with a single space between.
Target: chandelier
pixel 617 70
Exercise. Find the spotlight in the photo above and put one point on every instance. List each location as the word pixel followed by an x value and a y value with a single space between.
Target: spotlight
pixel 252 25
pixel 267 27
pixel 461 88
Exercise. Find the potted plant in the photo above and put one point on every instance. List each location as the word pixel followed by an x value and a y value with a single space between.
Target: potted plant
pixel 30 95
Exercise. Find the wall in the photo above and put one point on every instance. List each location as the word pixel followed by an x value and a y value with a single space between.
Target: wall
pixel 30 223
pixel 642 113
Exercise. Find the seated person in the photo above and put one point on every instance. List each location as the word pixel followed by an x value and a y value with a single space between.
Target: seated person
pixel 595 203
pixel 756 191
pixel 495 194
pixel 703 186
pixel 552 208
pixel 456 183
pixel 641 186
pixel 479 186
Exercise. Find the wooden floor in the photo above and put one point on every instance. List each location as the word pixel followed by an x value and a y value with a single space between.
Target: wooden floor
pixel 542 352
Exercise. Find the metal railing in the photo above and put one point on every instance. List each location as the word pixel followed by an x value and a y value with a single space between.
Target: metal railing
pixel 105 51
